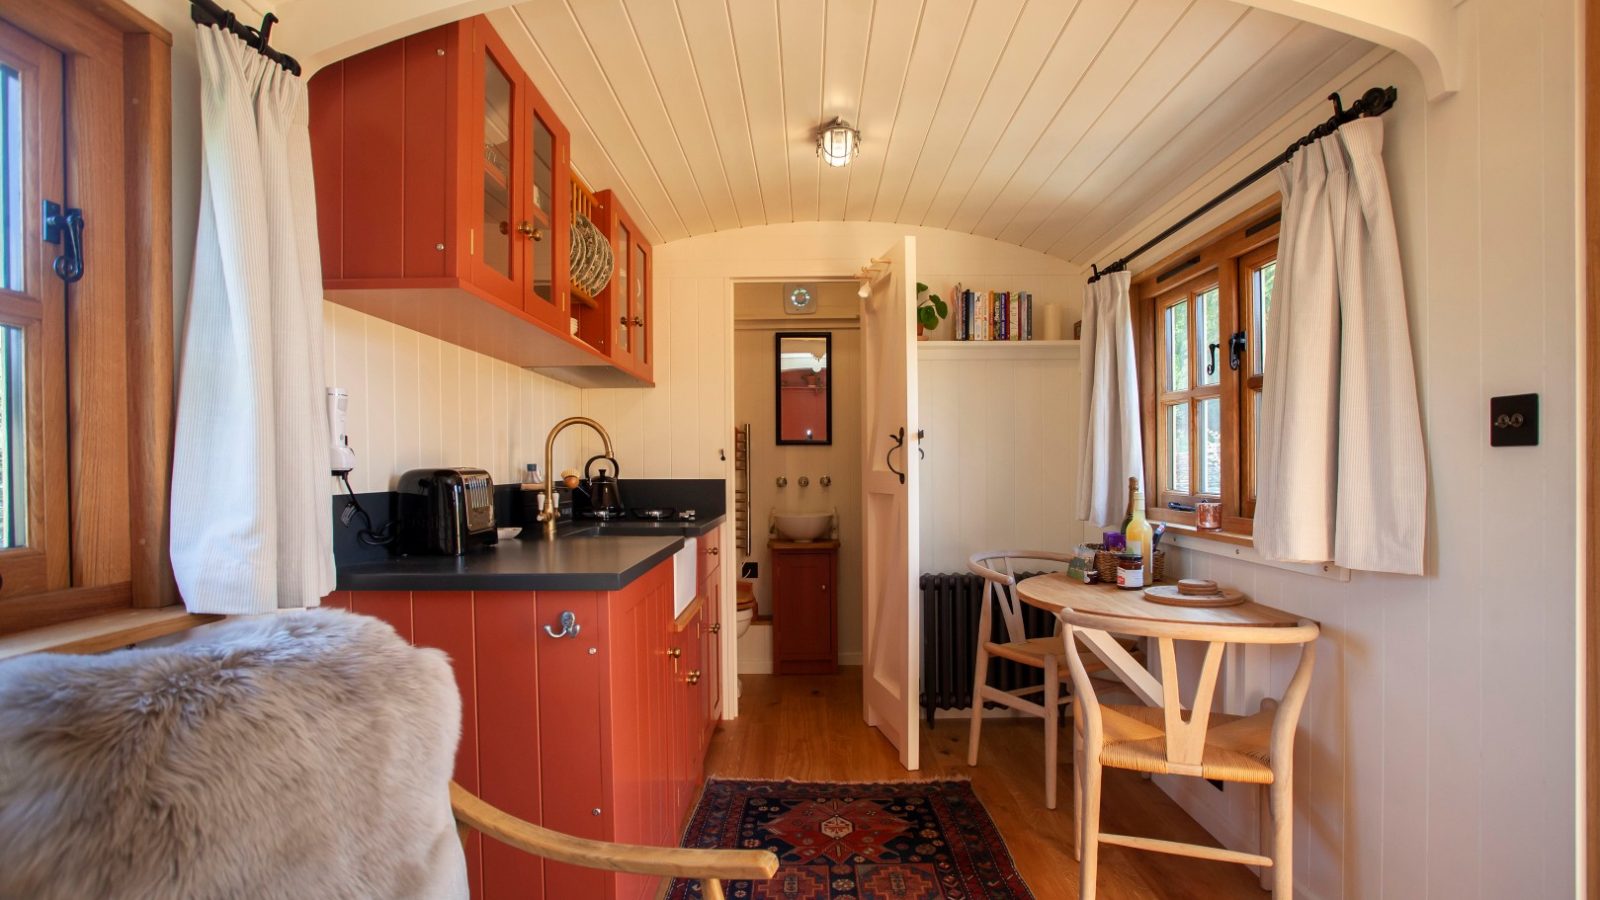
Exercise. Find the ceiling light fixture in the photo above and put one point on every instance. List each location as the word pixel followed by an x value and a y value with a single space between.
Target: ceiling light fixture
pixel 838 143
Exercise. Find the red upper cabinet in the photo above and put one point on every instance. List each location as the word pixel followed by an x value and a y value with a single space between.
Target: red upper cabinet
pixel 629 295
pixel 444 200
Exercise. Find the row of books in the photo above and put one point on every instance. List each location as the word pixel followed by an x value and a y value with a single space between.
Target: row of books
pixel 992 315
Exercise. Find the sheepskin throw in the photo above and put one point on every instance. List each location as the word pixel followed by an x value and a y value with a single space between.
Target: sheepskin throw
pixel 304 755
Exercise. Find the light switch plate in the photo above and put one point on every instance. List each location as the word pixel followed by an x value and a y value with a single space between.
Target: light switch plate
pixel 1514 421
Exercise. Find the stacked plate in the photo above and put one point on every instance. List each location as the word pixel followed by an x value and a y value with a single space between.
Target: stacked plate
pixel 590 261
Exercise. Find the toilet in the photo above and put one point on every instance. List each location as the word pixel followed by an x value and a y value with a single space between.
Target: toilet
pixel 745 613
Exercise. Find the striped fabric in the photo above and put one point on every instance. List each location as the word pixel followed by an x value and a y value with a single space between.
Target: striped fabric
pixel 1109 424
pixel 1342 473
pixel 251 532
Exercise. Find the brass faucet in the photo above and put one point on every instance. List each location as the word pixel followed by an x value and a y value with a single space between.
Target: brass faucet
pixel 551 512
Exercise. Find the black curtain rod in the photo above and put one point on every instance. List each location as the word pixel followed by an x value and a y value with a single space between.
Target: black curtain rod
pixel 1375 102
pixel 207 12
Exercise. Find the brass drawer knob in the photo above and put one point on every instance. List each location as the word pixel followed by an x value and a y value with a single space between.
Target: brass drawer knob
pixel 693 677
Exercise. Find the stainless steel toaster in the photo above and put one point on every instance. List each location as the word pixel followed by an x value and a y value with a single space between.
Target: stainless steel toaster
pixel 446 511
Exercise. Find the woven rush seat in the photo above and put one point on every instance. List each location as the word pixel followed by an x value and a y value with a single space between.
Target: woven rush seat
pixel 1237 747
pixel 1032 652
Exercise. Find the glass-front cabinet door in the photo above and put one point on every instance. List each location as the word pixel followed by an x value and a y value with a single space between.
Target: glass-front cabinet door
pixel 639 292
pixel 492 237
pixel 622 286
pixel 545 230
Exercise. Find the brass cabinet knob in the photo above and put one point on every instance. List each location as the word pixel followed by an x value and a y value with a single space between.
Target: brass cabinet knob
pixel 675 652
pixel 716 627
pixel 715 551
pixel 638 321
pixel 528 229
pixel 693 677
pixel 624 321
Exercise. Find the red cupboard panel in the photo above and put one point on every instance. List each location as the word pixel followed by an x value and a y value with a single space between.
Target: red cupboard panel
pixel 507 637
pixel 372 202
pixel 570 752
pixel 430 95
pixel 444 619
pixel 325 109
pixel 393 607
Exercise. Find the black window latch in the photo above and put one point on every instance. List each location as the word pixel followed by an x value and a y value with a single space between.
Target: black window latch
pixel 67 222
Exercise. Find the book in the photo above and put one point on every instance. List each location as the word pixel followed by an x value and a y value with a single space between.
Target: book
pixel 1012 316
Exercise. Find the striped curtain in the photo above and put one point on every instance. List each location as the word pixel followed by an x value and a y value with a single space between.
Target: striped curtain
pixel 251 526
pixel 1342 476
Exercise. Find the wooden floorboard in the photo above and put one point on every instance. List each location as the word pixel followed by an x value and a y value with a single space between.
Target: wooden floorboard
pixel 809 728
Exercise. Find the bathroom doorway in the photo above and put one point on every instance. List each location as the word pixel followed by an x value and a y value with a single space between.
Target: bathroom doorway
pixel 805 458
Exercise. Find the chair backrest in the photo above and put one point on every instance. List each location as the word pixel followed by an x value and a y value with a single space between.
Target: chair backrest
pixel 307 754
pixel 999 572
pixel 1186 728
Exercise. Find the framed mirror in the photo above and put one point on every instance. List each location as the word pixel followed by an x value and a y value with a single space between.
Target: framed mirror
pixel 805 387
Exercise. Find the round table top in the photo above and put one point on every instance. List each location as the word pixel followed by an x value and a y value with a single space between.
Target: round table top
pixel 1058 593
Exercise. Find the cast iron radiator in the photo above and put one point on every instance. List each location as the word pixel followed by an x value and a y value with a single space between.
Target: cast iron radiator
pixel 951 605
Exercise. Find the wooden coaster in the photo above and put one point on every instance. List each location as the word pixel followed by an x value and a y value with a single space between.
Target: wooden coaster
pixel 1172 595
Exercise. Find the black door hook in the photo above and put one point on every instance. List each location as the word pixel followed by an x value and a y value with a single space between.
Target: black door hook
pixel 68 222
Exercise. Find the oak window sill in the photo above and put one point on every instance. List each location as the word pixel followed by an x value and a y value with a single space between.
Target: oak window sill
pixel 1241 547
pixel 100 633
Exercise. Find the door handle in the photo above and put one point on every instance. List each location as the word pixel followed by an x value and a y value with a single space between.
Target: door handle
pixel 716 627
pixel 527 229
pixel 693 677
pixel 899 439
pixel 569 626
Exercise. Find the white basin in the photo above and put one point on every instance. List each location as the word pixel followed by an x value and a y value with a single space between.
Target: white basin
pixel 802 526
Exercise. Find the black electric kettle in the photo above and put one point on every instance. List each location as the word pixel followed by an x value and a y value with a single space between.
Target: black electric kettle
pixel 605 495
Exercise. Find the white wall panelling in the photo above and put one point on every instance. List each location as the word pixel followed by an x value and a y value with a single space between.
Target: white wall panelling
pixel 1431 692
pixel 416 401
pixel 1002 466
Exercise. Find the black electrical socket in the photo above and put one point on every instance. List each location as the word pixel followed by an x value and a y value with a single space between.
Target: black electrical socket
pixel 1514 421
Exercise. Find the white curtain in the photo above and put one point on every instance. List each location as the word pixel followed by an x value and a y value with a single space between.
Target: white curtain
pixel 251 529
pixel 1342 474
pixel 1112 451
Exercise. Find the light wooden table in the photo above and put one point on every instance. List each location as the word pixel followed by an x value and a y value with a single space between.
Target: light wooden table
pixel 1087 606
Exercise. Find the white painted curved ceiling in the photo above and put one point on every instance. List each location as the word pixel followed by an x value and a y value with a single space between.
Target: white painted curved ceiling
pixel 1050 124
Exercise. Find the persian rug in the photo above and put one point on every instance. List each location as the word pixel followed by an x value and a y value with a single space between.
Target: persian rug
pixel 905 840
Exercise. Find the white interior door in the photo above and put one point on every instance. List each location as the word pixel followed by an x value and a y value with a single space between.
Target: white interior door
pixel 892 630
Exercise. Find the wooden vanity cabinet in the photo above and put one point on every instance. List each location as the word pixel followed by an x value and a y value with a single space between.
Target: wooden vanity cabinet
pixel 805 607
pixel 600 735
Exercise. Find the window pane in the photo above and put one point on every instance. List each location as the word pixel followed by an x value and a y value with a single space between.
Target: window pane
pixel 1210 344
pixel 1261 281
pixel 1211 446
pixel 497 168
pixel 1178 346
pixel 1178 448
pixel 13 440
pixel 11 218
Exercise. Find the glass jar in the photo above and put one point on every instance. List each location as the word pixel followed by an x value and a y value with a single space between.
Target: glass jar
pixel 1130 571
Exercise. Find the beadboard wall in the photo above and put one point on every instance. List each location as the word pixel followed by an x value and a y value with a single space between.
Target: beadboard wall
pixel 417 401
pixel 1437 755
pixel 1001 471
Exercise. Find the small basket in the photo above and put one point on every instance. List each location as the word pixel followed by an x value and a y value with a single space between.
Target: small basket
pixel 1105 562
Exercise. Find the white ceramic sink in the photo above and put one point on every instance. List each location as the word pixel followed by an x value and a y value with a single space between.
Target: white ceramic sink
pixel 802 526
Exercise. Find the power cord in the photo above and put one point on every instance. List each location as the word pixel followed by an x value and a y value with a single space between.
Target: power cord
pixel 352 508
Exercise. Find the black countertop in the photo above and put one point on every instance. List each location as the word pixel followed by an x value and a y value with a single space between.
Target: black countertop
pixel 583 558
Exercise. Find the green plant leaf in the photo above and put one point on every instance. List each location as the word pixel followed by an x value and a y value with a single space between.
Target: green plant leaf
pixel 927 318
pixel 939 306
pixel 921 288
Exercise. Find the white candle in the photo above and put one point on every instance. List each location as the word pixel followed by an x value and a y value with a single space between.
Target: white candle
pixel 1052 322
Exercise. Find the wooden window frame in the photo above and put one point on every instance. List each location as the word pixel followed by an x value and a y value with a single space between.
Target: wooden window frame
pixel 1218 258
pixel 119 317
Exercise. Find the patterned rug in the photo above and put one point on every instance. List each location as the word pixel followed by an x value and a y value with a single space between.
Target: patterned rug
pixel 908 840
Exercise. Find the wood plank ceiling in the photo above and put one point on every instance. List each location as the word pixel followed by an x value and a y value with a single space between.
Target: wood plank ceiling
pixel 1050 124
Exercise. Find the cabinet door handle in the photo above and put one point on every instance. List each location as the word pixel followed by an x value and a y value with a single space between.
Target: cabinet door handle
pixel 716 627
pixel 715 551
pixel 527 229
pixel 693 677
pixel 569 626
pixel 624 321
pixel 675 652
pixel 638 321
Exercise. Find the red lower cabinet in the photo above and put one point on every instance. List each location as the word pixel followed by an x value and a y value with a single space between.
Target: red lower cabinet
pixel 599 734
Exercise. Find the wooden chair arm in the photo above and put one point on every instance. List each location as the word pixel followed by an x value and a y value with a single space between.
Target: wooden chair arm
pixel 474 813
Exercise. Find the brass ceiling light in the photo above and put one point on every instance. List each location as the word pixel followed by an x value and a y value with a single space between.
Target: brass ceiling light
pixel 838 143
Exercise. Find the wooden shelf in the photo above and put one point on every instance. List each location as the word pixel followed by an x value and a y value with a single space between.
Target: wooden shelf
pixel 998 349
